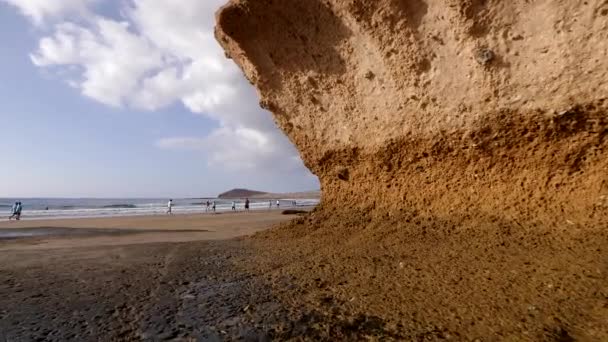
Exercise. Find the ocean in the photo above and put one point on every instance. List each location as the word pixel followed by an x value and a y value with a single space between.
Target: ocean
pixel 51 208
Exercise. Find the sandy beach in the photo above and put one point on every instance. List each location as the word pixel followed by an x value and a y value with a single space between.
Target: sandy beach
pixel 199 277
pixel 67 233
pixel 134 278
pixel 458 152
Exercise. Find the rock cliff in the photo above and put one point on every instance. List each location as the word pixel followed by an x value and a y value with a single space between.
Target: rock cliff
pixel 462 153
pixel 451 108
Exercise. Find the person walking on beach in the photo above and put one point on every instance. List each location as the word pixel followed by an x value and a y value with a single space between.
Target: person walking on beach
pixel 270 205
pixel 213 206
pixel 246 204
pixel 16 211
pixel 19 207
pixel 278 204
pixel 208 205
pixel 234 206
pixel 170 207
pixel 13 211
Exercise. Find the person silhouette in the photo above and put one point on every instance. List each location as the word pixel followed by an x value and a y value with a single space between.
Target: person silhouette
pixel 14 210
pixel 170 207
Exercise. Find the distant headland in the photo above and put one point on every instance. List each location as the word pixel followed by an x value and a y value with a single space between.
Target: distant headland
pixel 254 194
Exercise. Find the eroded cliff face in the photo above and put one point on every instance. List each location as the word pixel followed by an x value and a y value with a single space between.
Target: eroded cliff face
pixel 450 108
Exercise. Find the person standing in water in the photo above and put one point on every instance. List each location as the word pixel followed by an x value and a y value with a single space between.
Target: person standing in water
pixel 234 205
pixel 170 207
pixel 208 205
pixel 270 205
pixel 246 204
pixel 278 204
pixel 213 208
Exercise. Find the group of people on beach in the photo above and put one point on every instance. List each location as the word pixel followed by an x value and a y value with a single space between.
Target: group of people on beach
pixel 211 206
pixel 278 204
pixel 246 205
pixel 16 211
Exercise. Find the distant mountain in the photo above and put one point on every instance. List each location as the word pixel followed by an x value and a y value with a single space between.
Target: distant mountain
pixel 239 193
pixel 246 193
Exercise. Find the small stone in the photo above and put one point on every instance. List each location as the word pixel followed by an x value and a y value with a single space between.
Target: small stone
pixel 484 56
pixel 369 75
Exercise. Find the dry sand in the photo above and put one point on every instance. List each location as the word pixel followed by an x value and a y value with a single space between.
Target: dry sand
pixel 416 277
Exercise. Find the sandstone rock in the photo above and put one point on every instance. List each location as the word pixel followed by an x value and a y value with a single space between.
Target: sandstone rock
pixel 430 106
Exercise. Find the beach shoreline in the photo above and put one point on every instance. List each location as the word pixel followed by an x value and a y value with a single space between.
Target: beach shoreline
pixel 52 208
pixel 176 212
pixel 125 230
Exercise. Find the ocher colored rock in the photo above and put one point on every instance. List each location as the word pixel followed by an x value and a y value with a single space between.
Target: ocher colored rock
pixel 442 106
pixel 466 138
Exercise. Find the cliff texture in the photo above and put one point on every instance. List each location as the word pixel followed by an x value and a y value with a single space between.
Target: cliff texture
pixel 449 107
pixel 462 153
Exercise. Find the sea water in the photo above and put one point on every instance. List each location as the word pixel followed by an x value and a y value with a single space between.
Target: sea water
pixel 48 208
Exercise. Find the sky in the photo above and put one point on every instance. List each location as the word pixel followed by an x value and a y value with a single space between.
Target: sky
pixel 130 98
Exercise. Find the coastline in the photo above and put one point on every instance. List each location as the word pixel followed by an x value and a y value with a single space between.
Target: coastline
pixel 126 230
pixel 158 212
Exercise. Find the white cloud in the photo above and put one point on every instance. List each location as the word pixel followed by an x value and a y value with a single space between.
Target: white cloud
pixel 40 10
pixel 161 52
pixel 248 149
pixel 240 149
pixel 112 59
pixel 182 143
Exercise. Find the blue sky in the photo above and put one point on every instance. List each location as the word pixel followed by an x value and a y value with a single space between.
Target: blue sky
pixel 74 127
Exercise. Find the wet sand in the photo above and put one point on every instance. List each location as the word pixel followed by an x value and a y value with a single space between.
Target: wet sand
pixel 67 233
pixel 137 278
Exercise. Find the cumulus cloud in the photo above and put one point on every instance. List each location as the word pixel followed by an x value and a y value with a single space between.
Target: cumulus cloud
pixel 112 61
pixel 156 53
pixel 40 10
